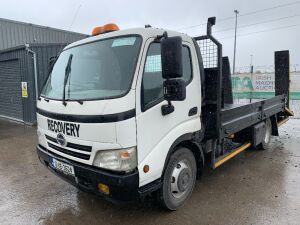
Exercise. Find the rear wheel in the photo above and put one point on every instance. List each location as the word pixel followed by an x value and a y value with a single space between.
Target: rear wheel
pixel 179 179
pixel 267 135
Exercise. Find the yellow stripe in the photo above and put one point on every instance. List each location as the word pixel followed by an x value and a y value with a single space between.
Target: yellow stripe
pixel 239 150
pixel 282 122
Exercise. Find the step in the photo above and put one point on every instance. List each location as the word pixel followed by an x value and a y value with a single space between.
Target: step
pixel 219 161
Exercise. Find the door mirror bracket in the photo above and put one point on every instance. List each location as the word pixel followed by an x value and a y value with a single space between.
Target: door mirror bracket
pixel 174 90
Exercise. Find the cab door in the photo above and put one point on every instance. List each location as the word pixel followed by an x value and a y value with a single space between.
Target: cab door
pixel 155 132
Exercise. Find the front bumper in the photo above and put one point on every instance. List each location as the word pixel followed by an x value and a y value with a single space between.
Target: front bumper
pixel 122 187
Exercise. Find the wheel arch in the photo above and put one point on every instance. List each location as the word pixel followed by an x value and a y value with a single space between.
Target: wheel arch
pixel 188 141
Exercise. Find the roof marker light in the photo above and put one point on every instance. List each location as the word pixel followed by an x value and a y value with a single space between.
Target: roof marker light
pixel 105 29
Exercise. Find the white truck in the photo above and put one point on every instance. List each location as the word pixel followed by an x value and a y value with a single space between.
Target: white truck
pixel 131 113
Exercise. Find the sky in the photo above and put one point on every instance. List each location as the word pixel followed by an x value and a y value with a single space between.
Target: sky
pixel 276 29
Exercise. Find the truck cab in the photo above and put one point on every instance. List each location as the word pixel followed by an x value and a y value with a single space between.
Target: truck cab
pixel 120 115
pixel 111 116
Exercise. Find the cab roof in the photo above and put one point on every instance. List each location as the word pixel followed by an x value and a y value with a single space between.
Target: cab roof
pixel 145 33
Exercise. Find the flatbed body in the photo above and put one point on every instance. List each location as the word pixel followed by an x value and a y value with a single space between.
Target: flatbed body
pixel 236 117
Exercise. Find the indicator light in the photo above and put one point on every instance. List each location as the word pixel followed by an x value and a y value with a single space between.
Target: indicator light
pixel 146 169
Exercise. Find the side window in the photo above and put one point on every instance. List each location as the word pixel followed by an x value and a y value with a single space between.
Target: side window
pixel 152 84
pixel 186 64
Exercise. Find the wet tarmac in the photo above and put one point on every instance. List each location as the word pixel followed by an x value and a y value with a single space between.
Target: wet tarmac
pixel 256 187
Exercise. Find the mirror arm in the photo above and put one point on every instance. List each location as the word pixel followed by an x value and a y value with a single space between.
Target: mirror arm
pixel 167 109
pixel 164 35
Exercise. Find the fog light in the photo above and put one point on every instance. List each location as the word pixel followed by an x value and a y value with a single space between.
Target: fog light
pixel 103 188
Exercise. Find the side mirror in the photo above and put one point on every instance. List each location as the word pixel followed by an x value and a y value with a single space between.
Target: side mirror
pixel 52 62
pixel 171 57
pixel 174 90
pixel 171 63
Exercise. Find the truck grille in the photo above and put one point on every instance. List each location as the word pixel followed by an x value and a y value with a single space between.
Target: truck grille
pixel 52 144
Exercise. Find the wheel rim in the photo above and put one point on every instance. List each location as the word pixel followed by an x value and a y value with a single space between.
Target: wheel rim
pixel 268 133
pixel 181 179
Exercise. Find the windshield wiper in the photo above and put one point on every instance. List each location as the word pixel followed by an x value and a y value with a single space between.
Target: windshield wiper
pixel 79 101
pixel 67 73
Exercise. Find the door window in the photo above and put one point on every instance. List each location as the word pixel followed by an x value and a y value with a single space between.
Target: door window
pixel 152 84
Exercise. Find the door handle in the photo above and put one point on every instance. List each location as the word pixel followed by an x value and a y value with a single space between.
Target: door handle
pixel 193 111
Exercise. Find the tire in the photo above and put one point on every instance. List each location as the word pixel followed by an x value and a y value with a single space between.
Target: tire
pixel 179 179
pixel 267 136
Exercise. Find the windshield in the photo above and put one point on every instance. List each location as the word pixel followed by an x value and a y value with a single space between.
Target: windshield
pixel 98 70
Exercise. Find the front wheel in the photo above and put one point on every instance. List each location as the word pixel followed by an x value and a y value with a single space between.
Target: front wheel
pixel 179 179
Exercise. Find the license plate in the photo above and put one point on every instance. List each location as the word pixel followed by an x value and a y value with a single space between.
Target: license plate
pixel 63 167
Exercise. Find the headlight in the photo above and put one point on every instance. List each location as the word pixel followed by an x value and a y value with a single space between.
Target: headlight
pixel 119 160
